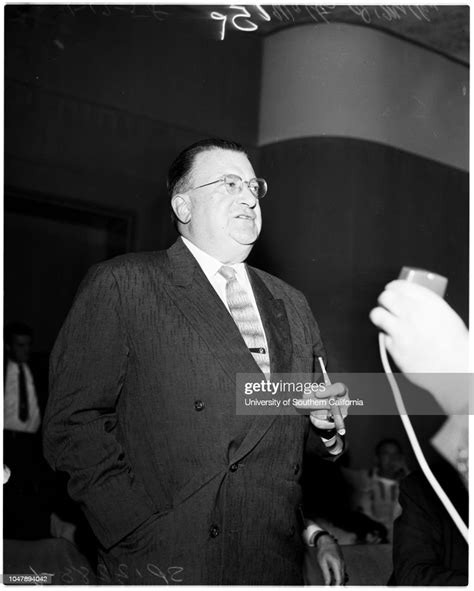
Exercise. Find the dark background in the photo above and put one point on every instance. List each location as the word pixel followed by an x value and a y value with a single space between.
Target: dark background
pixel 97 105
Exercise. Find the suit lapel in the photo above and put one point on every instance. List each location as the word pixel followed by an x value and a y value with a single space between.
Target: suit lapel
pixel 196 298
pixel 199 302
pixel 275 323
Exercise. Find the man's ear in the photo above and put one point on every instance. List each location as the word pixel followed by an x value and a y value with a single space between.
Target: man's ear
pixel 182 207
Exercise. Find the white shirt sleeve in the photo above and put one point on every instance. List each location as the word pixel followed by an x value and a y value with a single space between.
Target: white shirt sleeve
pixel 310 531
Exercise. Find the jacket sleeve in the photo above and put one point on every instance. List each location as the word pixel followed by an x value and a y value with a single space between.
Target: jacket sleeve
pixel 313 335
pixel 87 369
pixel 418 542
pixel 313 442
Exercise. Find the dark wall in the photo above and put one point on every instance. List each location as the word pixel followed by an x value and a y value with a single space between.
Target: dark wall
pixel 96 108
pixel 341 218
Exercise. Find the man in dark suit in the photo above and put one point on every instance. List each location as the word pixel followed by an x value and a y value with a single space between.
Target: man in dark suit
pixel 26 510
pixel 177 487
pixel 21 405
pixel 428 549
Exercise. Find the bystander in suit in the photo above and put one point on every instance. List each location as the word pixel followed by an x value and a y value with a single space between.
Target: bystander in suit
pixel 25 513
pixel 428 549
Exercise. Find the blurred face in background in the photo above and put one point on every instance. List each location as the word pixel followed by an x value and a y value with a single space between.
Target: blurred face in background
pixel 19 348
pixel 390 462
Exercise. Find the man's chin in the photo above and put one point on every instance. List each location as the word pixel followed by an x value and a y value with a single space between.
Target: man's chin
pixel 245 238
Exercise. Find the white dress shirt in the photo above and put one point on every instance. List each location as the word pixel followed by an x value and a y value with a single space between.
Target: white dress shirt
pixel 211 266
pixel 11 420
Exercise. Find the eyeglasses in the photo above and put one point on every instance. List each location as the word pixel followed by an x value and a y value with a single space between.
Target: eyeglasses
pixel 234 185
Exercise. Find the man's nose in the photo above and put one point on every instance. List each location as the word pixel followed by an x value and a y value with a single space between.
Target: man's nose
pixel 247 197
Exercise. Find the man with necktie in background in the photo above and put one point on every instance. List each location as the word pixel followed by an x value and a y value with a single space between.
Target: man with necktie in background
pixel 177 487
pixel 23 515
pixel 21 409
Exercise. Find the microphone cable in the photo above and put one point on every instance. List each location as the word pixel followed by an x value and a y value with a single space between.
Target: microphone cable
pixel 443 497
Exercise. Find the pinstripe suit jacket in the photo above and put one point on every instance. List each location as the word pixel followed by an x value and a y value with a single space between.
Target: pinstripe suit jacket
pixel 142 417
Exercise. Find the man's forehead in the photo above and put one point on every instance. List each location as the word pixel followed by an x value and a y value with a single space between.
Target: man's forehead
pixel 219 161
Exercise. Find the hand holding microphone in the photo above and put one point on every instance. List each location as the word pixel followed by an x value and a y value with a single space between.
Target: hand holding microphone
pixel 425 337
pixel 429 342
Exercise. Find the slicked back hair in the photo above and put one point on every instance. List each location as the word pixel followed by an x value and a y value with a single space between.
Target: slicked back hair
pixel 180 170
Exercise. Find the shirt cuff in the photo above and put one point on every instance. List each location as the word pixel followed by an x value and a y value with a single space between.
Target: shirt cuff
pixel 309 533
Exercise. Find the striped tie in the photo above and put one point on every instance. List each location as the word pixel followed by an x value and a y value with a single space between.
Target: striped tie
pixel 246 318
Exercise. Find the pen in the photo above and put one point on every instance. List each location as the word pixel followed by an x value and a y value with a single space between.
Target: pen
pixel 336 411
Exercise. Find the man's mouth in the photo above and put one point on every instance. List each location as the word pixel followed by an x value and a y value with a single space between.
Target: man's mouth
pixel 242 216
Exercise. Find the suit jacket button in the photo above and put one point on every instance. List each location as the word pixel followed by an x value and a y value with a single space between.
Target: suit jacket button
pixel 234 467
pixel 198 404
pixel 214 531
pixel 296 468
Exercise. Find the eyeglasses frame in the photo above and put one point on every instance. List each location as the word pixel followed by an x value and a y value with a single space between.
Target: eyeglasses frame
pixel 222 179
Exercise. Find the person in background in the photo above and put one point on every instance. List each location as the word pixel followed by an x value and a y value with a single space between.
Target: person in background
pixel 21 408
pixel 430 344
pixel 327 503
pixel 375 490
pixel 428 549
pixel 25 513
pixel 33 496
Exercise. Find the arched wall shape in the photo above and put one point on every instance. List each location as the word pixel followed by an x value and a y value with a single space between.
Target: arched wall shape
pixel 364 144
pixel 357 82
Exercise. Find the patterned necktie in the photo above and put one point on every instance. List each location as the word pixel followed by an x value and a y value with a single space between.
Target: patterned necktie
pixel 23 412
pixel 246 317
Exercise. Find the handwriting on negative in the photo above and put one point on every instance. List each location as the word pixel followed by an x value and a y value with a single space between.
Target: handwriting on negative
pixel 135 11
pixel 81 575
pixel 238 17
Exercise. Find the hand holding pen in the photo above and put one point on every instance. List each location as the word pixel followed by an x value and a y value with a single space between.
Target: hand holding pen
pixel 331 416
pixel 337 414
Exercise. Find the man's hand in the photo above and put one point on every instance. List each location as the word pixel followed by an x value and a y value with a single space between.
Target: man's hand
pixel 331 415
pixel 424 336
pixel 330 560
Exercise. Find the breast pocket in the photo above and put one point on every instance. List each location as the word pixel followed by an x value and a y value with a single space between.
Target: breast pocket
pixel 303 358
